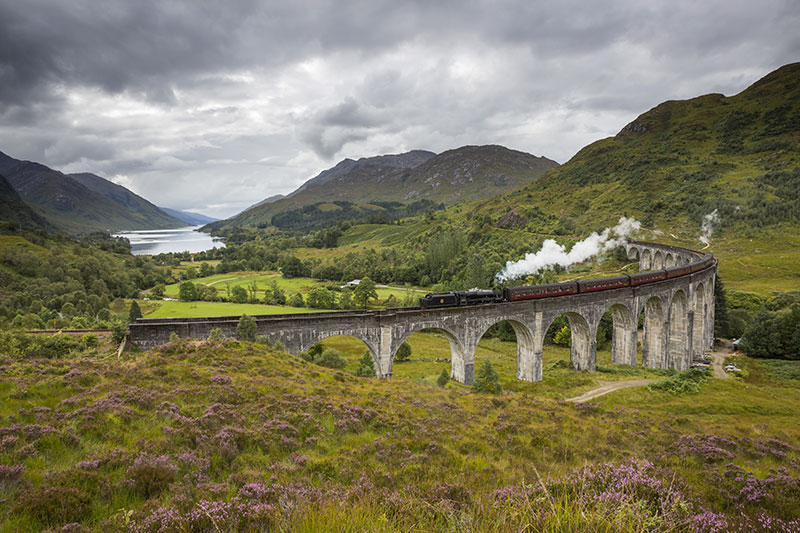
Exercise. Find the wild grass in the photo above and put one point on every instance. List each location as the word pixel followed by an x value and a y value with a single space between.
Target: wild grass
pixel 199 436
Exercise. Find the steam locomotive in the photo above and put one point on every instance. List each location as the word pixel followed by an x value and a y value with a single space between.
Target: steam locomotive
pixel 530 292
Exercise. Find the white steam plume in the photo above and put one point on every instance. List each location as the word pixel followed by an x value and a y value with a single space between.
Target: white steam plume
pixel 707 228
pixel 553 253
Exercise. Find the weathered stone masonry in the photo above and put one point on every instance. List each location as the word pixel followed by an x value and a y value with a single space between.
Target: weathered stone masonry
pixel 679 319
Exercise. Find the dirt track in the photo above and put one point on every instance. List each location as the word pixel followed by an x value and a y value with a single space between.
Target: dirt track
pixel 609 387
pixel 718 361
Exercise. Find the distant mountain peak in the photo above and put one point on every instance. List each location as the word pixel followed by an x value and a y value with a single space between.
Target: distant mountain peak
pixel 461 174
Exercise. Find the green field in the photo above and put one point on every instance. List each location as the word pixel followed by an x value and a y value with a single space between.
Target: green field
pixel 558 381
pixel 263 280
pixel 167 309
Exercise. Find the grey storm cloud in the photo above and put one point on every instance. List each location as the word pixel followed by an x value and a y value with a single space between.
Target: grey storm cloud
pixel 214 105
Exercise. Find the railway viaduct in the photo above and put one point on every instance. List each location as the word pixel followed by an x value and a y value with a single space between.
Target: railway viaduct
pixel 678 323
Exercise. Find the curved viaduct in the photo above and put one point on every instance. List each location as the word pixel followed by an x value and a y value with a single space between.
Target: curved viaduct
pixel 678 323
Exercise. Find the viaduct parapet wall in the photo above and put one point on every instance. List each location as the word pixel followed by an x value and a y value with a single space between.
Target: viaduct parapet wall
pixel 678 323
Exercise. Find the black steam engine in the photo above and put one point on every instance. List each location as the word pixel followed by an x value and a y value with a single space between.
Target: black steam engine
pixel 513 294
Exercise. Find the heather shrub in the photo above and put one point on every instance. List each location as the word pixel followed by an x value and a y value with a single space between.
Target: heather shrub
pixel 54 506
pixel 10 476
pixel 149 474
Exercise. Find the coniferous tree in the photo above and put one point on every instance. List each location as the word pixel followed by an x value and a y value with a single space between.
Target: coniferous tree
pixel 443 378
pixel 366 367
pixel 246 329
pixel 722 321
pixel 134 313
pixel 487 379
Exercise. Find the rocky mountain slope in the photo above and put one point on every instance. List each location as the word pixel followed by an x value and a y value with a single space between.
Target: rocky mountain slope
pixel 464 174
pixel 82 203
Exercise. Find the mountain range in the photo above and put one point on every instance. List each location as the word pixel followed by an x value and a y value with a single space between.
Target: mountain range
pixel 81 203
pixel 460 175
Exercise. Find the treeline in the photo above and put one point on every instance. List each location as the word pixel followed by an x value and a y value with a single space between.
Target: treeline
pixel 327 214
pixel 773 334
pixel 446 257
pixel 54 281
pixel 333 296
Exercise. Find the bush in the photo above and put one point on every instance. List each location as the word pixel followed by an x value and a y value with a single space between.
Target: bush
pixel 366 367
pixel 487 380
pixel 403 353
pixel 118 332
pixel 443 379
pixel 296 300
pixel 246 329
pixel 89 340
pixel 563 337
pixel 686 382
pixel 330 358
pixel 216 335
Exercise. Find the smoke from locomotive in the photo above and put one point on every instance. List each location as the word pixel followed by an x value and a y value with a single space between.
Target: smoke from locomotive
pixel 552 253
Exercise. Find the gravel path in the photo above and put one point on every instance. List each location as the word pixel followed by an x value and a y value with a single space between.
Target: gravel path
pixel 718 361
pixel 609 387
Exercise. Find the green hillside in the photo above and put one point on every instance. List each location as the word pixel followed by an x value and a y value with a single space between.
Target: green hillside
pixel 14 209
pixel 683 159
pixel 461 175
pixel 132 203
pixel 77 208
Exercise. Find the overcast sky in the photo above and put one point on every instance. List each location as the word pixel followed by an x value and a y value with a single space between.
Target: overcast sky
pixel 213 106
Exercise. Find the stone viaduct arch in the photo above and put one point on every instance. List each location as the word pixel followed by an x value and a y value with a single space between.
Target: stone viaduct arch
pixel 678 323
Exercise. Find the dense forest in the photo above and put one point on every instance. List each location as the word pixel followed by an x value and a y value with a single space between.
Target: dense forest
pixel 54 281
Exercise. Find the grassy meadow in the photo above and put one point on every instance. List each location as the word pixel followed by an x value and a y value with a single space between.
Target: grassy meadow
pixel 558 381
pixel 169 309
pixel 229 436
pixel 264 280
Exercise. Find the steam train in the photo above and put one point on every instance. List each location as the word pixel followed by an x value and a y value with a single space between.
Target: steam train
pixel 530 292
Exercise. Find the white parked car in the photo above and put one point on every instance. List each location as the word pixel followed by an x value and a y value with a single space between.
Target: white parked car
pixel 731 368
